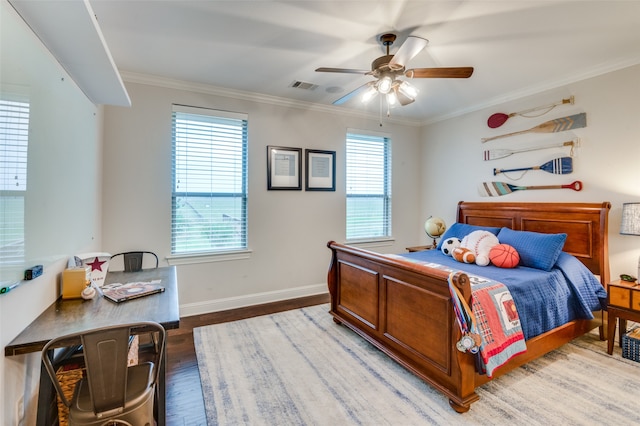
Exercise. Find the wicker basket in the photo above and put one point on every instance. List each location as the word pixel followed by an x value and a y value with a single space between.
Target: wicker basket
pixel 631 345
pixel 68 376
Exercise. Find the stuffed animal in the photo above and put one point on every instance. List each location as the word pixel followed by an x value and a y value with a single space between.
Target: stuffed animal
pixel 448 245
pixel 504 256
pixel 463 255
pixel 480 244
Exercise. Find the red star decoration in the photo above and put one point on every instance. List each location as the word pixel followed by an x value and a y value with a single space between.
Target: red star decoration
pixel 96 265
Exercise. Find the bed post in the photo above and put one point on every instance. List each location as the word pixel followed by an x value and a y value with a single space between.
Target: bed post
pixel 332 277
pixel 466 362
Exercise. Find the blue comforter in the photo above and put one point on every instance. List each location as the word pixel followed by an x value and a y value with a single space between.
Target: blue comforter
pixel 544 300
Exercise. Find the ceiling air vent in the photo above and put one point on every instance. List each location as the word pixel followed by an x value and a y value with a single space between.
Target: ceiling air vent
pixel 303 85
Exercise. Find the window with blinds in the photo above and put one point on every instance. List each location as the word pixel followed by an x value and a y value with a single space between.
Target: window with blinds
pixel 209 199
pixel 368 186
pixel 14 140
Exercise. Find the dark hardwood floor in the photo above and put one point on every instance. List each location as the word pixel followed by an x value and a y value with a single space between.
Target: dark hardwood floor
pixel 185 405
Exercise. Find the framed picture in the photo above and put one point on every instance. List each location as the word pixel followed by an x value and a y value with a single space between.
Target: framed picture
pixel 320 170
pixel 284 168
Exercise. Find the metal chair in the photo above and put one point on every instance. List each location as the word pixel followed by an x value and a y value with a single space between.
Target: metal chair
pixel 133 259
pixel 111 393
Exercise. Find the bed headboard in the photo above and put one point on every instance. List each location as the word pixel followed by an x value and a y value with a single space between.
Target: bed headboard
pixel 586 226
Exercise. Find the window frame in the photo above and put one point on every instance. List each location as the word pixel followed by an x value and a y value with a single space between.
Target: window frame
pixel 15 117
pixel 181 256
pixel 385 234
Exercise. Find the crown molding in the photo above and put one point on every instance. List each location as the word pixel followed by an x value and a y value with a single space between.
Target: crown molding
pixel 599 70
pixel 153 80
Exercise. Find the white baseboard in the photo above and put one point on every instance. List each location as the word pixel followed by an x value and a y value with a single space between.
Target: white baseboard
pixel 209 306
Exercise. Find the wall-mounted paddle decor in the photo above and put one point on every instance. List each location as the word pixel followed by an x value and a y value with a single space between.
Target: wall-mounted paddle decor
pixel 494 154
pixel 558 166
pixel 499 118
pixel 497 189
pixel 576 121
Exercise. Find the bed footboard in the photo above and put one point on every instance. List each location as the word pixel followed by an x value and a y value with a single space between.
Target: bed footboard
pixel 404 309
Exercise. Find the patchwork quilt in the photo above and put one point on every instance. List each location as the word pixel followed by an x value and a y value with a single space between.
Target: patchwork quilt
pixel 496 319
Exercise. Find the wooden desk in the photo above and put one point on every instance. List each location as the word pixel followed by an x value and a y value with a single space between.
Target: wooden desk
pixel 71 316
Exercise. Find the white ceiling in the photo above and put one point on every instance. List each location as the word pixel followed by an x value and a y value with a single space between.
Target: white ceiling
pixel 263 46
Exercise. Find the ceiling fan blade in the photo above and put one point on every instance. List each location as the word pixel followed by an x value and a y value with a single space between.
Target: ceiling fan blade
pixel 353 93
pixel 343 70
pixel 410 48
pixel 456 72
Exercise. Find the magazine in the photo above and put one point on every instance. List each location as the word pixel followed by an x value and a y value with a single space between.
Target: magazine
pixel 118 292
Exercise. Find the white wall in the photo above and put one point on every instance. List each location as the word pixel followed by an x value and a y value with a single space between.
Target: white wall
pixel 62 203
pixel 607 162
pixel 288 230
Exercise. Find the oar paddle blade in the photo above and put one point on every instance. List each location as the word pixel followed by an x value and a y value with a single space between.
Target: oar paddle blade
pixel 559 166
pixel 576 121
pixel 494 154
pixel 495 189
pixel 497 120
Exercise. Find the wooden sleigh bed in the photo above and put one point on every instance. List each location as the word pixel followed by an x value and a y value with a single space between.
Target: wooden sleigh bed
pixel 406 310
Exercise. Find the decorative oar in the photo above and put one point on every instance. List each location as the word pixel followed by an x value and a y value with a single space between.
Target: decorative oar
pixel 497 189
pixel 576 121
pixel 558 166
pixel 499 118
pixel 494 154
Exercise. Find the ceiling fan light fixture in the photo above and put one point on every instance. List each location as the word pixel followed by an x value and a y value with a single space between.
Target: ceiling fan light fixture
pixel 392 99
pixel 389 70
pixel 369 94
pixel 408 90
pixel 384 84
pixel 403 100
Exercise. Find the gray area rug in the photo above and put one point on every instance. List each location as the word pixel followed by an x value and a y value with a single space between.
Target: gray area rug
pixel 300 368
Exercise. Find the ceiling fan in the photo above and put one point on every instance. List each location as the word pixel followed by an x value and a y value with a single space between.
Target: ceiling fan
pixel 386 69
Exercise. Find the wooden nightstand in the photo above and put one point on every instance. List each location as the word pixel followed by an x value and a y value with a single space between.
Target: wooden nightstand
pixel 623 303
pixel 420 248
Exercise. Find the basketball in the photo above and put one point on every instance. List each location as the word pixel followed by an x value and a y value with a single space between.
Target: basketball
pixel 504 256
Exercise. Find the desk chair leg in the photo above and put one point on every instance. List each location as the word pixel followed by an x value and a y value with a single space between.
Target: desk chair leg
pixel 161 389
pixel 47 403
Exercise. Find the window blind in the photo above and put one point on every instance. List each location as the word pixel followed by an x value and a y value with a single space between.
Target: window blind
pixel 368 179
pixel 209 200
pixel 14 141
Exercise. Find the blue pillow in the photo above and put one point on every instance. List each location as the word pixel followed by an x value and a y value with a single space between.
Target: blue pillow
pixel 461 230
pixel 536 250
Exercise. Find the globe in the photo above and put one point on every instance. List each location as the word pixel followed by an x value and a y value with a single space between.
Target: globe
pixel 434 227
